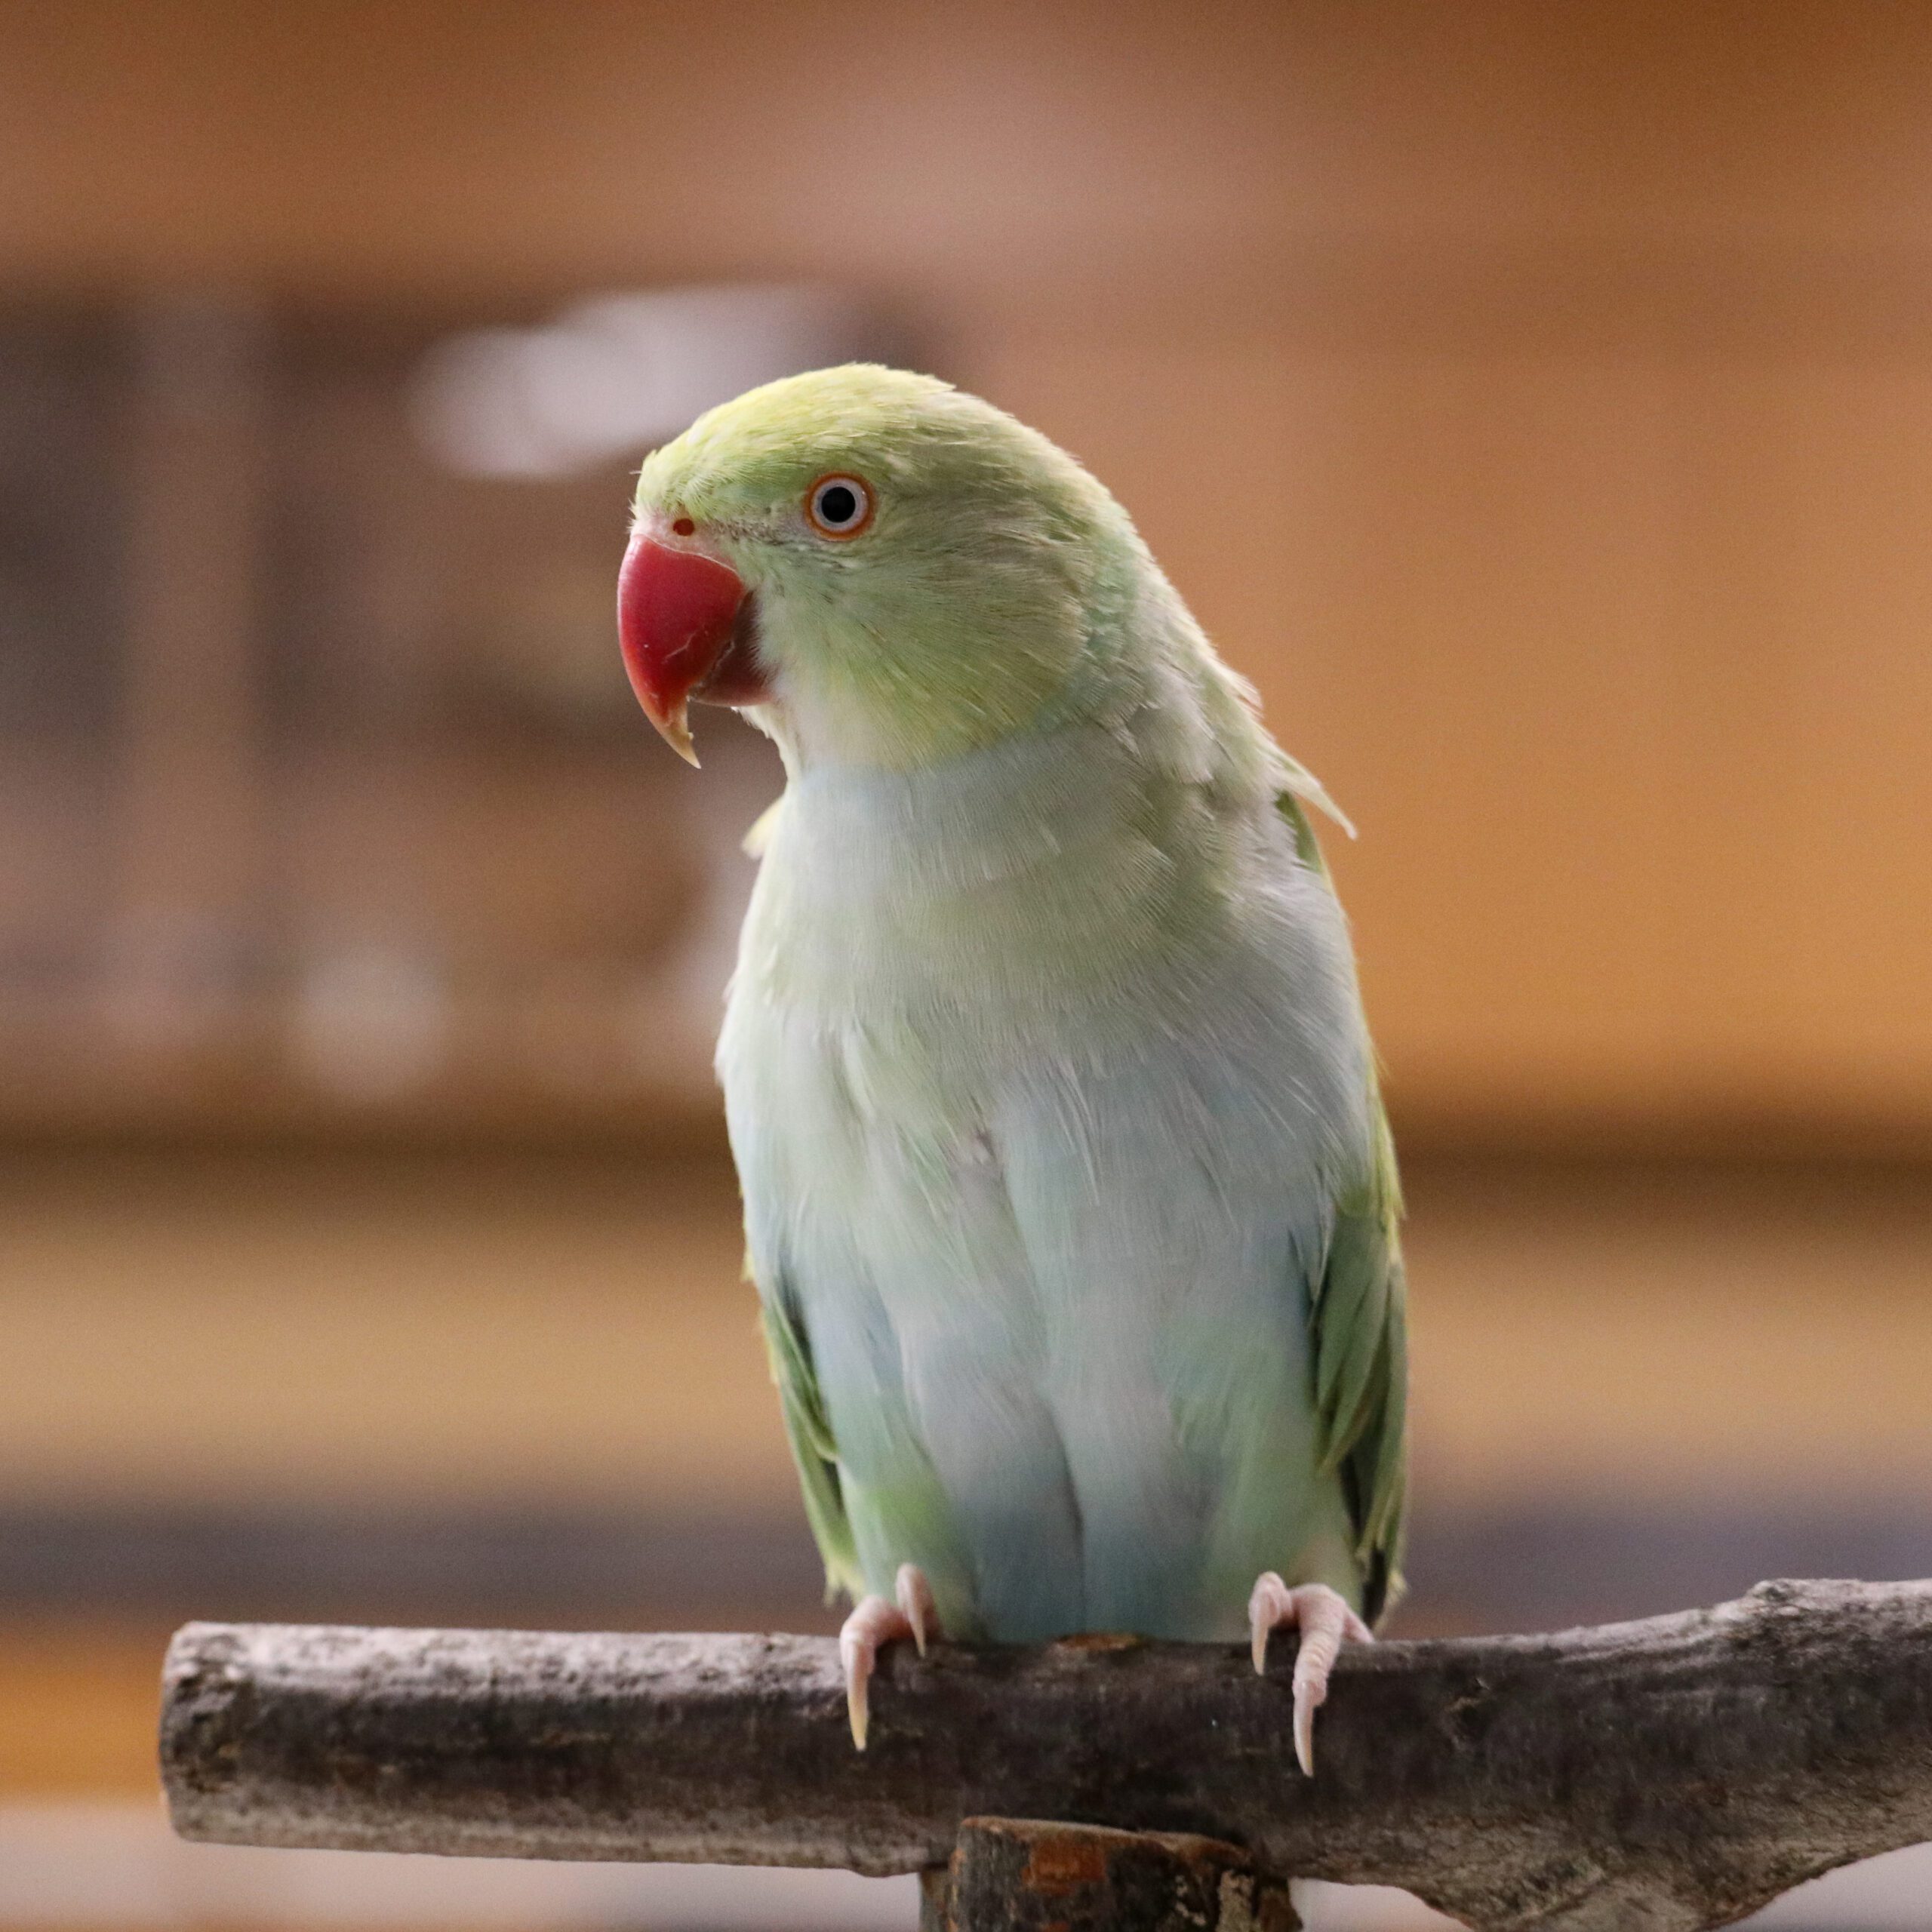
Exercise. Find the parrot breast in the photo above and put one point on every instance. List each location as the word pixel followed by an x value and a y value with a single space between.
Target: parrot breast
pixel 1043 1069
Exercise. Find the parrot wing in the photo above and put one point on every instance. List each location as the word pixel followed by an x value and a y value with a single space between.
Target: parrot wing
pixel 808 1429
pixel 1359 1311
pixel 1361 1371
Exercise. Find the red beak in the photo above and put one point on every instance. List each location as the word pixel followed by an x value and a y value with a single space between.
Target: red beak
pixel 683 624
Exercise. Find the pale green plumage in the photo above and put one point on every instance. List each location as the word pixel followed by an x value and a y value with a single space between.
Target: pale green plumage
pixel 1069 1195
pixel 809 1431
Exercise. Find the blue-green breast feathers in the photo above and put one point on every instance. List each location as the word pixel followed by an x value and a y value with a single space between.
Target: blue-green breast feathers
pixel 1141 1338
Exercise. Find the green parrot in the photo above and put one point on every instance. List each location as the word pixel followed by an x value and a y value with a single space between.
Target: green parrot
pixel 1068 1195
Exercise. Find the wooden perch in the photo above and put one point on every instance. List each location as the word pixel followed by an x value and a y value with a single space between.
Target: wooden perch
pixel 1667 1775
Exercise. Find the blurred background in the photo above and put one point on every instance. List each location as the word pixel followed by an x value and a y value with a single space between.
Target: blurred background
pixel 1536 402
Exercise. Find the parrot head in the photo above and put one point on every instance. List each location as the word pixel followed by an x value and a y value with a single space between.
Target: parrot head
pixel 876 567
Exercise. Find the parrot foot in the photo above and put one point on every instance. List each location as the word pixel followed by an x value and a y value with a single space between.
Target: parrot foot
pixel 873 1622
pixel 1326 1622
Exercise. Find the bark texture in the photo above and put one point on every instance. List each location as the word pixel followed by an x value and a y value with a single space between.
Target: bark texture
pixel 1660 1777
pixel 1031 1874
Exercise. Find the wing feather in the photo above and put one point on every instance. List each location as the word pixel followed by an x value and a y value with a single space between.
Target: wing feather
pixel 808 1429
pixel 1359 1315
pixel 1360 1356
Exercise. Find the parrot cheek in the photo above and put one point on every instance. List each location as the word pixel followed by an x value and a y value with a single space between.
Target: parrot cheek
pixel 688 629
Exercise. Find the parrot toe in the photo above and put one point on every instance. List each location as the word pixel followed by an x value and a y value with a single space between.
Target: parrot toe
pixel 1325 1622
pixel 874 1621
pixel 914 1596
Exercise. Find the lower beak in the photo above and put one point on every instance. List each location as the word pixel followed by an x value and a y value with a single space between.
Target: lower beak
pixel 679 618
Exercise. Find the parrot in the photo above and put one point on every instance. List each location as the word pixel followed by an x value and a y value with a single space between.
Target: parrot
pixel 1070 1200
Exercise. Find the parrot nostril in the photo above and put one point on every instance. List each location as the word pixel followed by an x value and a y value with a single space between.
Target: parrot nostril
pixel 684 526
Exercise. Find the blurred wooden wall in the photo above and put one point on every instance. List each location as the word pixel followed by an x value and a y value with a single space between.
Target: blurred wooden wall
pixel 1537 400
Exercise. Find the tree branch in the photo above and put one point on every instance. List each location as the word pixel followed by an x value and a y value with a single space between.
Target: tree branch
pixel 1668 1775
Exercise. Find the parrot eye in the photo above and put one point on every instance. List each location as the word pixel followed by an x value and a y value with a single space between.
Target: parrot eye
pixel 839 506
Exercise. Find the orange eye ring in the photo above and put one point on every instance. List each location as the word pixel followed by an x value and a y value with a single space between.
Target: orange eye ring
pixel 850 502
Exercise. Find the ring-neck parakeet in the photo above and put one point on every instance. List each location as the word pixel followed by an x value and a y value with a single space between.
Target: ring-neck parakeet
pixel 1069 1198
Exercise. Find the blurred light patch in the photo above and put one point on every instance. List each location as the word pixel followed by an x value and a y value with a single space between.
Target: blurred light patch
pixel 614 375
pixel 373 1021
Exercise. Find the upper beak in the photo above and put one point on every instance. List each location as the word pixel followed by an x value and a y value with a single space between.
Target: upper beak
pixel 677 613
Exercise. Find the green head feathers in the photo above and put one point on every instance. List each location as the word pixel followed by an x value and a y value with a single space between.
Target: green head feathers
pixel 923 569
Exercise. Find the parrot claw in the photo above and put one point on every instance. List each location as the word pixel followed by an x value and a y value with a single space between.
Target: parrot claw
pixel 914 1596
pixel 873 1622
pixel 1326 1622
